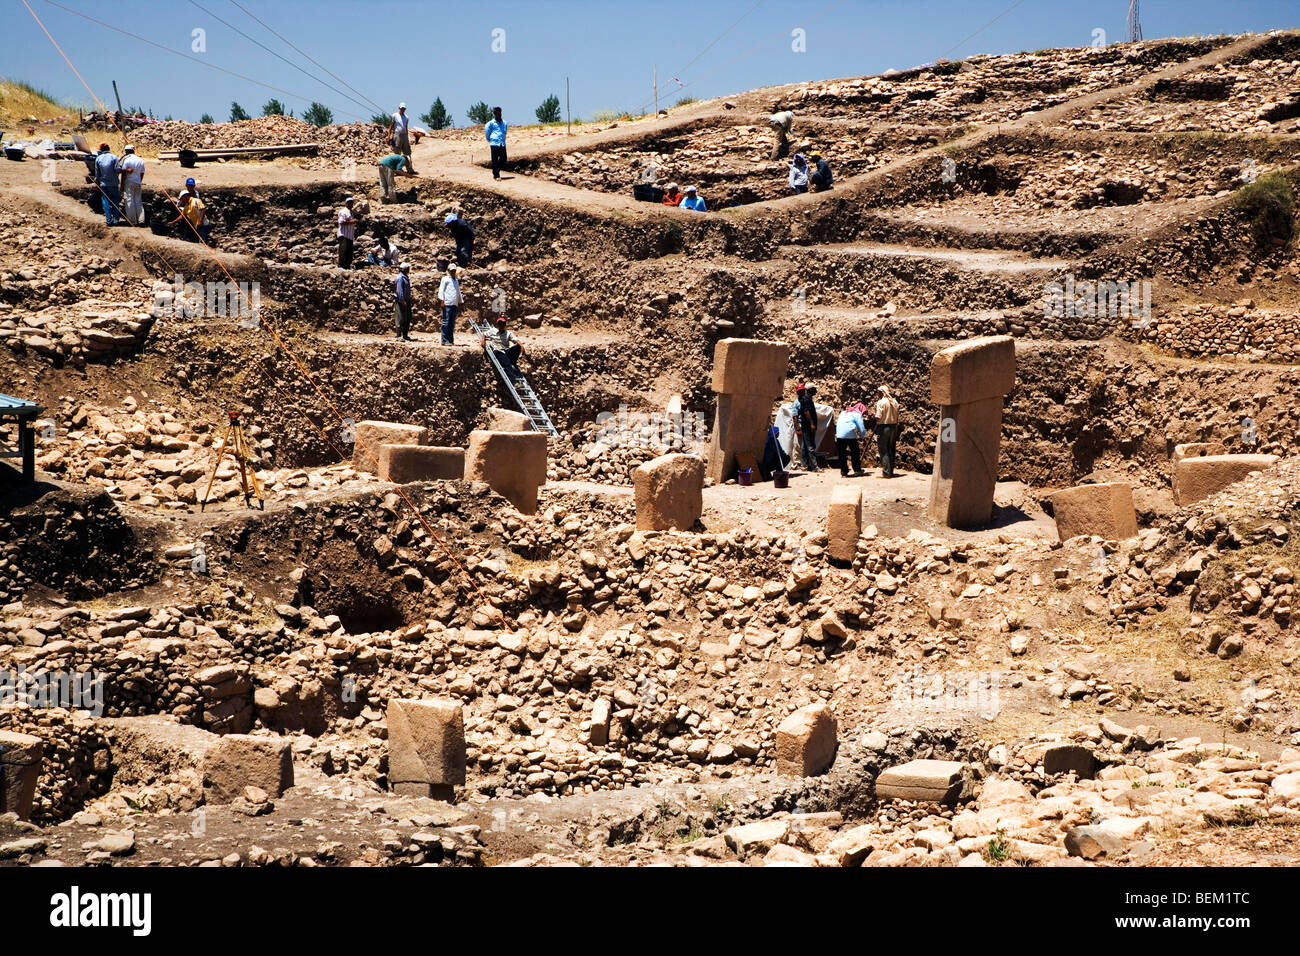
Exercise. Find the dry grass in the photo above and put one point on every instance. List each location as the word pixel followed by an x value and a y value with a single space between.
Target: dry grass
pixel 20 102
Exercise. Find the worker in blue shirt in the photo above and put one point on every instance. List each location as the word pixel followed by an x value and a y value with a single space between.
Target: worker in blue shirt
pixel 849 430
pixel 107 178
pixel 402 302
pixel 495 131
pixel 691 200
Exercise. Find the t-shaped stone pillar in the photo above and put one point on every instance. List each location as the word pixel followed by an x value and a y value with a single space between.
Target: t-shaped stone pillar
pixel 968 383
pixel 20 766
pixel 749 376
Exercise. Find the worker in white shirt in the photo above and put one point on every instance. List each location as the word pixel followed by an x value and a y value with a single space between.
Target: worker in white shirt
pixel 449 295
pixel 399 135
pixel 132 172
pixel 347 233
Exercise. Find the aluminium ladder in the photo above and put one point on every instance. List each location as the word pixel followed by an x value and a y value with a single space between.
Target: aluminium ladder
pixel 519 389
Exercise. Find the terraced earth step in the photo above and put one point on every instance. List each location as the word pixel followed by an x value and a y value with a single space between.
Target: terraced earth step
pixel 981 260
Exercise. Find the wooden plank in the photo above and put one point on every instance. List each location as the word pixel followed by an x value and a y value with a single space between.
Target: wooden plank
pixel 243 151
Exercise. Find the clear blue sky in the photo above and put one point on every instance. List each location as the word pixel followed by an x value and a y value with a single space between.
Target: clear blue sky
pixel 391 50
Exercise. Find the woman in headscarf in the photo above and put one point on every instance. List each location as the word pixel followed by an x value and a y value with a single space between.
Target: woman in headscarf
pixel 799 174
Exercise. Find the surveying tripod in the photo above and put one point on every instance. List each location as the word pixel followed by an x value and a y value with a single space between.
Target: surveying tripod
pixel 238 443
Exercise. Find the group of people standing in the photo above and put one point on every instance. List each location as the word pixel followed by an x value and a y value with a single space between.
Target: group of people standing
pixel 850 429
pixel 120 184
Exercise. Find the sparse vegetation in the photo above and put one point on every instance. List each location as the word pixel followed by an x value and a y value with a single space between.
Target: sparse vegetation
pixel 1269 205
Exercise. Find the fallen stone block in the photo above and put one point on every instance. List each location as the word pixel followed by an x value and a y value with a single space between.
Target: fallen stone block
pixel 805 742
pixel 368 436
pixel 921 781
pixel 505 420
pixel 237 761
pixel 513 464
pixel 669 492
pixel 844 522
pixel 1090 842
pixel 1196 478
pixel 1070 758
pixel 1105 510
pixel 426 747
pixel 755 837
pixel 20 766
pixel 851 847
pixel 403 463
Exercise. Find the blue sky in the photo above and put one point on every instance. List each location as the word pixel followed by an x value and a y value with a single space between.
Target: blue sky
pixel 391 50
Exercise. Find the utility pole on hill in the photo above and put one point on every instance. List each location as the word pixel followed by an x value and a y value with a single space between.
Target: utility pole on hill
pixel 567 115
pixel 1134 23
pixel 654 81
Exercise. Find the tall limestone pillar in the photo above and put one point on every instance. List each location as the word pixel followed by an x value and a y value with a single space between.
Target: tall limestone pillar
pixel 968 382
pixel 749 376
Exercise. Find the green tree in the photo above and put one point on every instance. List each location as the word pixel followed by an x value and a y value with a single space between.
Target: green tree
pixel 237 113
pixel 437 117
pixel 549 111
pixel 206 118
pixel 318 114
pixel 274 107
pixel 480 112
pixel 381 119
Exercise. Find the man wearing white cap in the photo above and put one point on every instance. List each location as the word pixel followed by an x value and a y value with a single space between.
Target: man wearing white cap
pixel 692 200
pixel 463 233
pixel 399 134
pixel 132 172
pixel 347 233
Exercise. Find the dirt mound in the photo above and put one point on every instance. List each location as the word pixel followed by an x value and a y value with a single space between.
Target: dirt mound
pixel 361 143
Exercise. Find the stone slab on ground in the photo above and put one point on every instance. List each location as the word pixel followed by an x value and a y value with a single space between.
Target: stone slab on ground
pixel 1105 510
pixel 403 463
pixel 844 522
pixel 806 741
pixel 237 761
pixel 368 436
pixel 1198 477
pixel 669 492
pixel 921 781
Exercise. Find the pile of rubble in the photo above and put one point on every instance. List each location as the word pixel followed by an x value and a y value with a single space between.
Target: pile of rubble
pixel 339 144
pixel 609 451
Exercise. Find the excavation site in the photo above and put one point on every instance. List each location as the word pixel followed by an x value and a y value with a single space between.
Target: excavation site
pixel 944 514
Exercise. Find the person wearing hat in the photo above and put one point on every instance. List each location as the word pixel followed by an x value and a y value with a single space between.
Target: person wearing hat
pixel 805 425
pixel 495 131
pixel 820 179
pixel 384 253
pixel 849 430
pixel 399 136
pixel 108 180
pixel 389 166
pixel 672 195
pixel 886 412
pixel 449 295
pixel 799 173
pixel 347 233
pixel 402 302
pixel 506 347
pixel 132 173
pixel 692 200
pixel 463 233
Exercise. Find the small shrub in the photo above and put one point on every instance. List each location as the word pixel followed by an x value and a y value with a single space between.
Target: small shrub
pixel 1269 205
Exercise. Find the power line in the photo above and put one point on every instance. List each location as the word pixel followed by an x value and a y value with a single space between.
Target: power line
pixel 982 29
pixel 201 62
pixel 305 73
pixel 717 38
pixel 307 56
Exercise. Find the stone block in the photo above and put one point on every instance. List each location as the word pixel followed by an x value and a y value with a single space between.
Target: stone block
pixel 750 367
pixel 1104 510
pixel 1199 449
pixel 1070 758
pixel 966 463
pixel 512 463
pixel 1196 478
pixel 669 492
pixel 403 463
pixel 973 370
pixel 237 761
pixel 739 427
pixel 505 420
pixel 598 734
pixel 805 742
pixel 844 522
pixel 20 766
pixel 426 747
pixel 369 436
pixel 921 781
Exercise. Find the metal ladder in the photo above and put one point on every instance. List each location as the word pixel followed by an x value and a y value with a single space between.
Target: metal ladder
pixel 520 390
